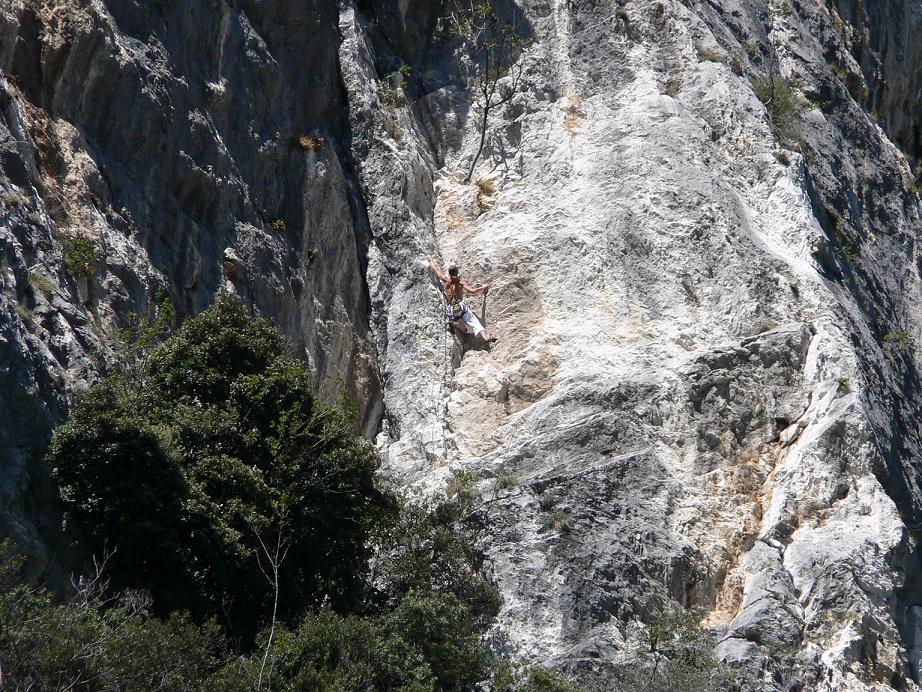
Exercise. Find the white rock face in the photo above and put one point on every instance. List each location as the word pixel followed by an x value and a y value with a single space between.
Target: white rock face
pixel 705 384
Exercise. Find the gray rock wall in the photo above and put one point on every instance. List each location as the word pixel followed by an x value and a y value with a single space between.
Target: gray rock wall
pixel 197 147
pixel 705 386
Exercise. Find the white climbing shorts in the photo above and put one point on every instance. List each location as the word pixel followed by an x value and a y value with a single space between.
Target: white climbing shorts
pixel 471 323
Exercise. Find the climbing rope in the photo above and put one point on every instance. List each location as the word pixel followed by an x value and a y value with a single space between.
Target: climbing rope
pixel 443 383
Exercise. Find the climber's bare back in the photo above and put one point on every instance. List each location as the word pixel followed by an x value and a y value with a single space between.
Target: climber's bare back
pixel 453 290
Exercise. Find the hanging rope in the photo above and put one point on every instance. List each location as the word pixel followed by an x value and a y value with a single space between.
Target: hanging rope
pixel 442 387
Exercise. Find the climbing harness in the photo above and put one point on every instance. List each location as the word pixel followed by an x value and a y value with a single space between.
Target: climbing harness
pixel 454 311
pixel 457 308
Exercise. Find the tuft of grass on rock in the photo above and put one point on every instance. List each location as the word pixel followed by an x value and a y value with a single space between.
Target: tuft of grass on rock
pixel 546 501
pixel 41 283
pixel 462 484
pixel 559 520
pixel 80 255
pixel 487 187
pixel 25 314
pixel 505 482
pixel 901 338
pixel 311 143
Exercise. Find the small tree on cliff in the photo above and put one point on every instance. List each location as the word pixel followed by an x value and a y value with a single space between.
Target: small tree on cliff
pixel 495 46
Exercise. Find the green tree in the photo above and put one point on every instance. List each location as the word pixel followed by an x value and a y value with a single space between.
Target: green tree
pixel 433 547
pixel 91 642
pixel 219 449
pixel 676 653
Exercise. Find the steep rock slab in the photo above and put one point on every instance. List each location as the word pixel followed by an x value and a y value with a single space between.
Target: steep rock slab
pixel 707 341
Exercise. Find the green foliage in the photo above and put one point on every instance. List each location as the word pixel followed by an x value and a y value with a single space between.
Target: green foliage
pixel 96 644
pixel 346 405
pixel 509 676
pixel 853 81
pixel 901 338
pixel 844 385
pixel 220 447
pixel 440 628
pixel 421 630
pixel 850 250
pixel 25 314
pixel 433 548
pixel 136 339
pixel 676 653
pixel 425 643
pixel 423 636
pixel 505 481
pixel 543 680
pixel 405 72
pixel 41 283
pixel 80 255
pixel 783 102
pixel 463 483
pixel 559 520
pixel 546 501
pixel 782 157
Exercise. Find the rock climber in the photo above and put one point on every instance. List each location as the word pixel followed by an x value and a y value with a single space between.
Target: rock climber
pixel 461 317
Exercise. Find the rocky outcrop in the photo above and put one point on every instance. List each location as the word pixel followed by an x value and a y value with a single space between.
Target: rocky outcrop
pixel 188 147
pixel 706 389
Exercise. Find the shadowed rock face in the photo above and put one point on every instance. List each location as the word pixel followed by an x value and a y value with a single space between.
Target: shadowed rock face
pixel 197 147
pixel 883 39
pixel 706 388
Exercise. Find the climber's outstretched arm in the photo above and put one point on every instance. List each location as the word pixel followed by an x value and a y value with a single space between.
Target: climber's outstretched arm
pixel 482 288
pixel 436 270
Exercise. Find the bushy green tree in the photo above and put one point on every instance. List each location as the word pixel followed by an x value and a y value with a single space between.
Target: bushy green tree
pixel 217 450
pixel 425 644
pixel 432 546
pixel 421 624
pixel 91 642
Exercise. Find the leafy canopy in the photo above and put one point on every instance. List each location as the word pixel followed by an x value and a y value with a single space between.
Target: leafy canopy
pixel 185 467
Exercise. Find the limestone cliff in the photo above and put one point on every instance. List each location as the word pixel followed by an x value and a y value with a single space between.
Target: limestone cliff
pixel 706 388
